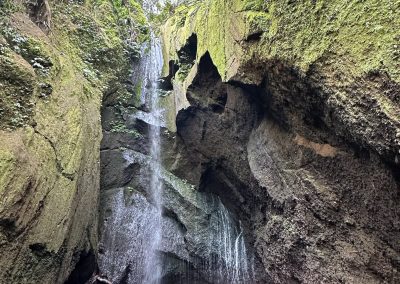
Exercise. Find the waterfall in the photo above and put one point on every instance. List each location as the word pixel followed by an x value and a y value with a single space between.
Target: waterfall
pixel 153 266
pixel 213 233
pixel 199 242
pixel 132 228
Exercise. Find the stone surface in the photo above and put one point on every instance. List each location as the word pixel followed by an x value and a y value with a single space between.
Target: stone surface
pixel 286 111
pixel 198 234
pixel 316 212
pixel 296 131
pixel 53 75
pixel 347 67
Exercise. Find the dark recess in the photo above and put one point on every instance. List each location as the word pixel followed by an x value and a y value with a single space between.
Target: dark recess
pixel 166 82
pixel 254 37
pixel 208 81
pixel 187 54
pixel 187 58
pixel 39 250
pixel 83 269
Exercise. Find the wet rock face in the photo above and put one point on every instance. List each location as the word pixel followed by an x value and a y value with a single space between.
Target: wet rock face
pixel 299 139
pixel 325 207
pixel 318 206
pixel 201 241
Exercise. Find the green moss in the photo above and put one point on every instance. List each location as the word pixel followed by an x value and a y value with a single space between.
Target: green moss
pixel 54 151
pixel 9 6
pixel 258 22
pixel 120 127
pixel 158 19
pixel 209 21
pixel 7 161
pixel 364 34
pixel 28 47
pixel 255 5
pixel 356 30
pixel 138 92
pixel 16 92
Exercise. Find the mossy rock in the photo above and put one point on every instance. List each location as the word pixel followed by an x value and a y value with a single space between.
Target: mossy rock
pixel 331 46
pixel 17 80
pixel 49 161
pixel 301 33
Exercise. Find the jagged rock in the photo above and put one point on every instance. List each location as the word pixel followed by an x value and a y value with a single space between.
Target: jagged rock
pixel 191 229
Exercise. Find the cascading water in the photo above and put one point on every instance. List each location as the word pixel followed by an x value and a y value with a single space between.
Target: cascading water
pixel 153 266
pixel 200 243
pixel 132 233
pixel 230 265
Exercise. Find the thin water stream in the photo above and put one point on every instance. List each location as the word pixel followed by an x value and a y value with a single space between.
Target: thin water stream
pixel 153 266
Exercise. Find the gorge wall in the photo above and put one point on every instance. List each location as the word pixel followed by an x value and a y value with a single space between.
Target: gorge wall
pixel 289 111
pixel 57 58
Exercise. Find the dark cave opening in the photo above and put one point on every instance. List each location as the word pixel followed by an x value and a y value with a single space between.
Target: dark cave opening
pixel 254 36
pixel 187 54
pixel 208 81
pixel 84 268
pixel 186 59
pixel 165 83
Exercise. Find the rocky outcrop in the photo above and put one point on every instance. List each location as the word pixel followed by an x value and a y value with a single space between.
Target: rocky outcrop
pixel 287 136
pixel 289 112
pixel 289 44
pixel 52 80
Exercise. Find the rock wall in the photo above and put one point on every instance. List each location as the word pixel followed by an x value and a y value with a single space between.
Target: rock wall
pixel 289 111
pixel 57 59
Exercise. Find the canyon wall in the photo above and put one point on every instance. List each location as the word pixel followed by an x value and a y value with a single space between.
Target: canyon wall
pixel 57 59
pixel 289 111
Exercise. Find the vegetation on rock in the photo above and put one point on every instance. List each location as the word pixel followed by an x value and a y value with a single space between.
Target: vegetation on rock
pixel 297 104
pixel 51 88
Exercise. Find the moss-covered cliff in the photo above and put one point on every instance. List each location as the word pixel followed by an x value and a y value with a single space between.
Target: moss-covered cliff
pixel 345 48
pixel 57 59
pixel 290 111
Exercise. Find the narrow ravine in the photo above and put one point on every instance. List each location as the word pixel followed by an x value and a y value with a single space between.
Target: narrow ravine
pixel 199 141
pixel 141 228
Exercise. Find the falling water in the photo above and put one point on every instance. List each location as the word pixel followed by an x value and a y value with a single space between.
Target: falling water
pixel 153 266
pixel 132 230
pixel 213 232
pixel 135 233
pixel 231 264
